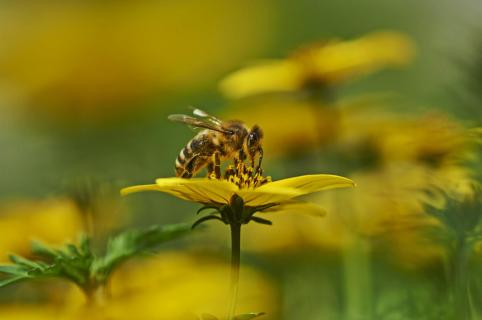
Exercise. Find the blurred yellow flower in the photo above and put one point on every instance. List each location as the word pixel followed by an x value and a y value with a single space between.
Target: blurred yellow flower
pixel 30 312
pixel 181 286
pixel 432 139
pixel 170 286
pixel 393 211
pixel 54 221
pixel 95 61
pixel 289 126
pixel 416 158
pixel 321 64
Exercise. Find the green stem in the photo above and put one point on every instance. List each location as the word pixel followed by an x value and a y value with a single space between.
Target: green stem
pixel 460 262
pixel 358 282
pixel 235 263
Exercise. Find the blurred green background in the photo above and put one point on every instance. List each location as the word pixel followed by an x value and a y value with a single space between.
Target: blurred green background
pixel 86 87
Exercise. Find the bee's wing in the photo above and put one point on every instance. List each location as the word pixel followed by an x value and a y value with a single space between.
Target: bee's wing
pixel 203 114
pixel 197 123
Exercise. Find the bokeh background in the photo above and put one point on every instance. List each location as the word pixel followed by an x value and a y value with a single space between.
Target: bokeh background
pixel 85 90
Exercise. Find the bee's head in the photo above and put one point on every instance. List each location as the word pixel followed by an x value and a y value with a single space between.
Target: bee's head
pixel 253 140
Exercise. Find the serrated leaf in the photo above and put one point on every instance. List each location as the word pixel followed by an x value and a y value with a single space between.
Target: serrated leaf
pixel 11 280
pixel 21 261
pixel 84 244
pixel 68 263
pixel 74 273
pixel 13 269
pixel 248 316
pixel 73 251
pixel 41 250
pixel 135 242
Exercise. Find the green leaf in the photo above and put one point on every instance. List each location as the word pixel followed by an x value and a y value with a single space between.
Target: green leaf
pixel 261 220
pixel 132 243
pixel 69 263
pixel 248 212
pixel 204 219
pixel 11 280
pixel 13 269
pixel 18 260
pixel 41 250
pixel 247 316
pixel 73 251
pixel 206 208
pixel 84 245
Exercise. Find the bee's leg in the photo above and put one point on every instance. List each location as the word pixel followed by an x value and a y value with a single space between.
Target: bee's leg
pixel 186 174
pixel 252 158
pixel 217 164
pixel 260 160
pixel 241 156
pixel 210 167
pixel 190 167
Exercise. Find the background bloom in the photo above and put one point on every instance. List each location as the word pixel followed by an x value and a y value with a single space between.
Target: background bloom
pixel 55 221
pixel 325 63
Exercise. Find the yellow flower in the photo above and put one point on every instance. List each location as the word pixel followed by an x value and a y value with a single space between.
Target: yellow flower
pixel 30 312
pixel 54 221
pixel 211 191
pixel 242 193
pixel 183 286
pixel 321 64
pixel 289 126
pixel 433 139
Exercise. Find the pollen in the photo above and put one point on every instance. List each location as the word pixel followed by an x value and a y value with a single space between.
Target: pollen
pixel 244 176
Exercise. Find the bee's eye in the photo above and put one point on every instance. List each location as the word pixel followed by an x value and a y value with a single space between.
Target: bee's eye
pixel 252 138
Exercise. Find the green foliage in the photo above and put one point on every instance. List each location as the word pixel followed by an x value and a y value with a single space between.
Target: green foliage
pixel 461 219
pixel 462 223
pixel 80 265
pixel 132 243
pixel 70 263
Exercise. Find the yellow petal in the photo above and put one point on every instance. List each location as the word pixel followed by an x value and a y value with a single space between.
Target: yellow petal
pixel 274 76
pixel 198 189
pixel 139 188
pixel 298 207
pixel 339 61
pixel 154 187
pixel 309 183
pixel 257 197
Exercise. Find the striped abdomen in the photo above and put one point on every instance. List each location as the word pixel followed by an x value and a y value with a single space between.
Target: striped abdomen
pixel 184 158
pixel 195 155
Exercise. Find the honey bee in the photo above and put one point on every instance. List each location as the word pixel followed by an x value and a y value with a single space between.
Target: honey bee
pixel 218 140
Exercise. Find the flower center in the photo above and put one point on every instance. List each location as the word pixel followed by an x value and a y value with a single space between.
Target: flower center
pixel 244 176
